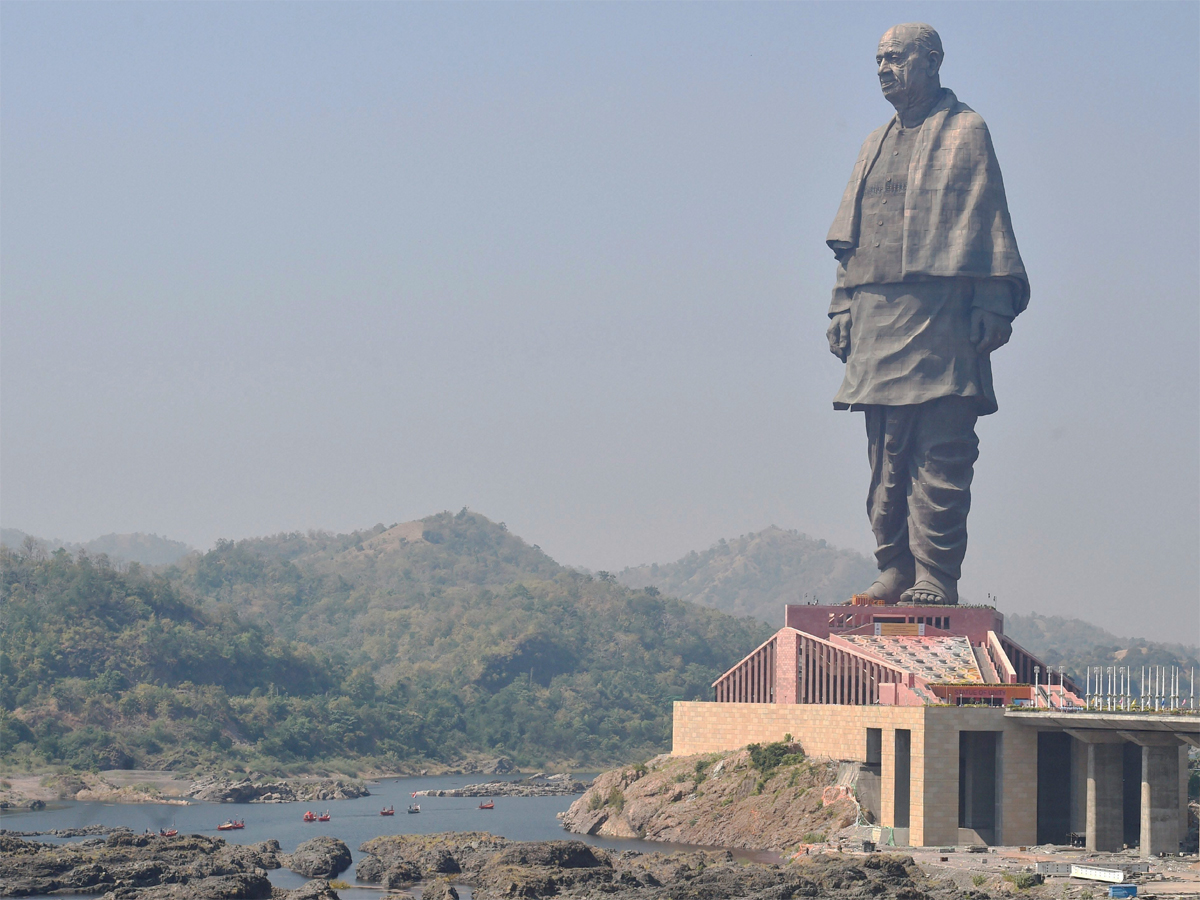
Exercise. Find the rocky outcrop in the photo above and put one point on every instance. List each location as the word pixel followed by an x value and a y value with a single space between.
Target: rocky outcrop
pixel 128 862
pixel 192 867
pixel 716 800
pixel 246 886
pixel 396 860
pixel 313 890
pixel 321 857
pixel 439 890
pixel 539 785
pixel 246 790
pixel 496 869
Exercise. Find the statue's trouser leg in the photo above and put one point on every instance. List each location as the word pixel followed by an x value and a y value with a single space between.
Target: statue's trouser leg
pixel 943 448
pixel 888 434
pixel 922 460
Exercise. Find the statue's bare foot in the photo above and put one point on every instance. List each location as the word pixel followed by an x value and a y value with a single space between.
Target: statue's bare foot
pixel 932 588
pixel 891 583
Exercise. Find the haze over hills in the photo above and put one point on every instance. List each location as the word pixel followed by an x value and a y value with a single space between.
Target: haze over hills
pixel 146 549
pixel 757 574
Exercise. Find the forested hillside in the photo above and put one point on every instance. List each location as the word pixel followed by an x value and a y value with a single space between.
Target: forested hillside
pixel 430 640
pixel 757 574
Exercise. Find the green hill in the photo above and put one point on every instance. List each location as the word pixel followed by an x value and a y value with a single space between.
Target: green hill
pixel 430 640
pixel 758 574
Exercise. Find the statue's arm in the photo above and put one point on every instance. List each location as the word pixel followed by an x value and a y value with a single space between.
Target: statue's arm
pixel 993 307
pixel 838 332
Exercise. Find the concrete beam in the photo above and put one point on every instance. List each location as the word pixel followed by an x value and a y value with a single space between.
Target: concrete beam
pixel 1150 738
pixel 1095 735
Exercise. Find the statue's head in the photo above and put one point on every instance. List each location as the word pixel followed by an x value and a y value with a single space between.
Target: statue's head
pixel 909 58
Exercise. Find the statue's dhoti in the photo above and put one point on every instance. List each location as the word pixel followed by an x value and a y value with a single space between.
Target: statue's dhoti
pixel 922 459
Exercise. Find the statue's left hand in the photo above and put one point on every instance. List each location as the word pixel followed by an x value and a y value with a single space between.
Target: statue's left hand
pixel 989 331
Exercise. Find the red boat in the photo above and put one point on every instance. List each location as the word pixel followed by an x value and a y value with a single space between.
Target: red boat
pixel 489 805
pixel 390 811
pixel 229 825
pixel 169 832
pixel 310 816
pixel 323 817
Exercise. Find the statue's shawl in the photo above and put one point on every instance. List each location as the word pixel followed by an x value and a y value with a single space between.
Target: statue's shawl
pixel 956 221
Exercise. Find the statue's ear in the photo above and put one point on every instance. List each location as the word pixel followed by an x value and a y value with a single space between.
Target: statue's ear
pixel 935 63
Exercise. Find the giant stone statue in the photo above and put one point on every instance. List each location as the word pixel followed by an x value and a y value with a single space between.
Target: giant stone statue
pixel 928 282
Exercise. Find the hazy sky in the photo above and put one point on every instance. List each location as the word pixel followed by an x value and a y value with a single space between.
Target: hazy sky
pixel 276 266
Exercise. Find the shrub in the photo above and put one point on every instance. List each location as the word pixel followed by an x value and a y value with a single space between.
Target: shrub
pixel 977 880
pixel 615 799
pixel 814 837
pixel 1023 880
pixel 768 757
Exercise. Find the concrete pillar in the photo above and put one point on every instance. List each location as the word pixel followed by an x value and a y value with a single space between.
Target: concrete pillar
pixel 1160 813
pixel 1105 816
pixel 1183 790
pixel 1079 768
pixel 1160 800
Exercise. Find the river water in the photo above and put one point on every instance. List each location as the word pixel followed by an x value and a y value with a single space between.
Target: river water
pixel 353 821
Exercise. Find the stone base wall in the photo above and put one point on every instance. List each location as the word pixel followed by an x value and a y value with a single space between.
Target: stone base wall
pixel 839 732
pixel 826 730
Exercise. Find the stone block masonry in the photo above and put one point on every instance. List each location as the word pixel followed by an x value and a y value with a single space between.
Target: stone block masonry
pixel 840 732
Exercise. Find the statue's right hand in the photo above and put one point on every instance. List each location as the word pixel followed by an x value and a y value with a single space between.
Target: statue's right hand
pixel 839 336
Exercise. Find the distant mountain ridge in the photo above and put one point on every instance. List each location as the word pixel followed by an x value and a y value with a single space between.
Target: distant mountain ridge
pixel 146 549
pixel 757 574
pixel 1077 644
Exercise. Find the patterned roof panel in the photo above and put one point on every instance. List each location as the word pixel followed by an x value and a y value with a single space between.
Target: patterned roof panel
pixel 937 660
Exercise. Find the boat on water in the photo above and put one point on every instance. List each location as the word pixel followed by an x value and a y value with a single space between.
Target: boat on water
pixel 323 817
pixel 390 811
pixel 227 825
pixel 491 804
pixel 310 816
pixel 414 808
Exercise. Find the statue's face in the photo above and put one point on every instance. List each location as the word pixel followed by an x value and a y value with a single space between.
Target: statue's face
pixel 905 71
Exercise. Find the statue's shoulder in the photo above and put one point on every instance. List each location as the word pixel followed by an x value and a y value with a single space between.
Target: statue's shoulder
pixel 961 117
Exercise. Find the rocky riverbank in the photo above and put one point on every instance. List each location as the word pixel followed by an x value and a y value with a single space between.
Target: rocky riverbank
pixel 777 802
pixel 539 785
pixel 248 790
pixel 496 868
pixel 128 866
pixel 145 786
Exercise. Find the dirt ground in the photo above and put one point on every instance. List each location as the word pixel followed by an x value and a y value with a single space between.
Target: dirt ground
pixel 1169 876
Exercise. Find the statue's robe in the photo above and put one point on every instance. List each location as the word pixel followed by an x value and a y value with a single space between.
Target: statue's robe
pixel 922 238
pixel 947 247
